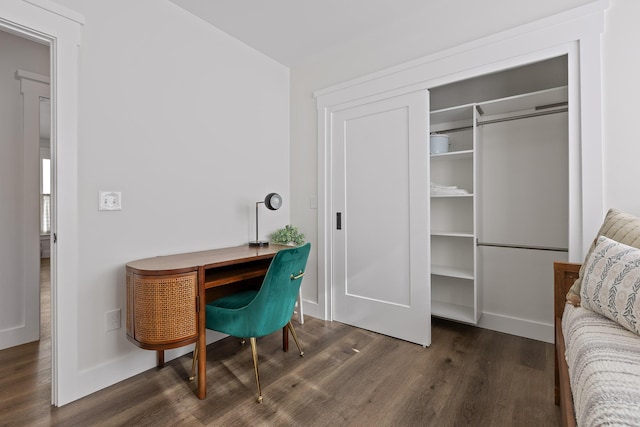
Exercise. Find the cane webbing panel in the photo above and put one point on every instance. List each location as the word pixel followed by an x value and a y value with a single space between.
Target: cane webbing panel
pixel 165 307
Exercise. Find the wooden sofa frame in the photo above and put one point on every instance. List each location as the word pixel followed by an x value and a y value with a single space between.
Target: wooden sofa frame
pixel 565 273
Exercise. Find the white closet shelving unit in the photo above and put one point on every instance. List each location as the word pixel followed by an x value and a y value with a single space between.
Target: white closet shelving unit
pixel 454 278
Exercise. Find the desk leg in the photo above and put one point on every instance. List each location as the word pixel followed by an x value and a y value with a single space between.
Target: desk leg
pixel 202 337
pixel 202 366
pixel 160 359
pixel 285 339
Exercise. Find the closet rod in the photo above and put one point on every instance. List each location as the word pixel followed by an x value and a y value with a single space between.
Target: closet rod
pixel 522 116
pixel 537 248
pixel 459 129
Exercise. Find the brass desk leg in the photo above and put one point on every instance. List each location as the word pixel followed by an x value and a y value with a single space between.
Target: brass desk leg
pixel 194 362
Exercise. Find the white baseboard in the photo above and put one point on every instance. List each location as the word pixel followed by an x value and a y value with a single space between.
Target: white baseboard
pixel 496 322
pixel 313 309
pixel 516 326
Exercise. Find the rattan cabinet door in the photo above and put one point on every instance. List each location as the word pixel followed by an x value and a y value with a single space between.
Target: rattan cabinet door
pixel 161 310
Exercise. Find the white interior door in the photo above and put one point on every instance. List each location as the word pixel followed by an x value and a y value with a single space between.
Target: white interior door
pixel 380 225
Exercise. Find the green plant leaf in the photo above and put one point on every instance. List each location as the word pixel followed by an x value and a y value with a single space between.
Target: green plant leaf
pixel 288 234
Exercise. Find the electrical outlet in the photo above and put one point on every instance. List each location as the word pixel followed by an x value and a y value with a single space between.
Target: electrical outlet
pixel 112 320
pixel 109 201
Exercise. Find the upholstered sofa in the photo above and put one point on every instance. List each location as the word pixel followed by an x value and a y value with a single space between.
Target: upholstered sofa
pixel 597 310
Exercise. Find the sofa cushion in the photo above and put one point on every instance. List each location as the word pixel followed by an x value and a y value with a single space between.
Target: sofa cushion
pixel 604 369
pixel 611 283
pixel 619 226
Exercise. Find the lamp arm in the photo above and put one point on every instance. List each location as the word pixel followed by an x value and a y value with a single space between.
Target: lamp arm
pixel 257 203
pixel 273 202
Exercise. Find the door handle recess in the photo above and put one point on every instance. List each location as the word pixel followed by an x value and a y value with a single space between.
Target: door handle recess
pixel 338 220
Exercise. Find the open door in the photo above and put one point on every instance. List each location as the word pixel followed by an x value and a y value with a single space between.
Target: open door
pixel 381 225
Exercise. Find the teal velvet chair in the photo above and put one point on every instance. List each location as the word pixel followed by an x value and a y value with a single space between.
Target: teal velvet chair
pixel 257 313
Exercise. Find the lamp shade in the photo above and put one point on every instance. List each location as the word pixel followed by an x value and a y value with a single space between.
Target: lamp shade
pixel 273 201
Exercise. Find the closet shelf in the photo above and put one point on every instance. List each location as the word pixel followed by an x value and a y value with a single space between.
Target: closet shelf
pixel 438 196
pixel 528 101
pixel 451 311
pixel 454 155
pixel 452 114
pixel 448 271
pixel 445 233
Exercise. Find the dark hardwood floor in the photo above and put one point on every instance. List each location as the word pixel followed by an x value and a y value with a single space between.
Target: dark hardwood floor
pixel 348 376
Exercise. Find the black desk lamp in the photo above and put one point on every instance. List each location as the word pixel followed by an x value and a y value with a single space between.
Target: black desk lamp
pixel 273 202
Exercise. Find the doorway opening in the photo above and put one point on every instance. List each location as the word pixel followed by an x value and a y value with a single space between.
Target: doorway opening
pixel 26 320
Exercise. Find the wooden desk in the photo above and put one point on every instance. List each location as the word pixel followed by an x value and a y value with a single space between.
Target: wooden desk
pixel 167 295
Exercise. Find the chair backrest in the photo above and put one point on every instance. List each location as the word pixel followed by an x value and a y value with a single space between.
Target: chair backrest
pixel 272 307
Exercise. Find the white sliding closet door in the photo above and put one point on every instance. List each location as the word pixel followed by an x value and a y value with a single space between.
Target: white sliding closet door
pixel 380 225
pixel 524 202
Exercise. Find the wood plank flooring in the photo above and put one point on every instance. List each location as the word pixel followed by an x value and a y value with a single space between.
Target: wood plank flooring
pixel 348 377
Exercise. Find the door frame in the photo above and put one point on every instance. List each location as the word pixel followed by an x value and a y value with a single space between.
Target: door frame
pixel 46 22
pixel 575 33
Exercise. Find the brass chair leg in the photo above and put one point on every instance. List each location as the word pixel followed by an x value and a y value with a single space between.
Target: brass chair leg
pixel 193 364
pixel 295 337
pixel 254 352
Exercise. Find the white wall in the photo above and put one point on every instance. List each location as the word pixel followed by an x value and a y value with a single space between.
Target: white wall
pixel 621 92
pixel 192 127
pixel 16 53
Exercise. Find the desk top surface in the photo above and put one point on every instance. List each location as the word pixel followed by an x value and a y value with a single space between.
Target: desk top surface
pixel 209 259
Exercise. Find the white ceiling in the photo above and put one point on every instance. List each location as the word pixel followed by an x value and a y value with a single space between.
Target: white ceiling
pixel 291 31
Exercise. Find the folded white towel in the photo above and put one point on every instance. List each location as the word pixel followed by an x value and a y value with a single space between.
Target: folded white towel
pixel 443 187
pixel 446 190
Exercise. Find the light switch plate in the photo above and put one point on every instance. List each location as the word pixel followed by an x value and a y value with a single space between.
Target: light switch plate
pixel 110 201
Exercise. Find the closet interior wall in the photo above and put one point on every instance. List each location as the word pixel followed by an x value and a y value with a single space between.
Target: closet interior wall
pixel 520 186
pixel 523 213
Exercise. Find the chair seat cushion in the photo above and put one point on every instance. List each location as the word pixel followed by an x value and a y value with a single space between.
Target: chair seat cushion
pixel 236 300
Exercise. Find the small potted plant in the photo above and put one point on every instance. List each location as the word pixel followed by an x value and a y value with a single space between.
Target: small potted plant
pixel 289 235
